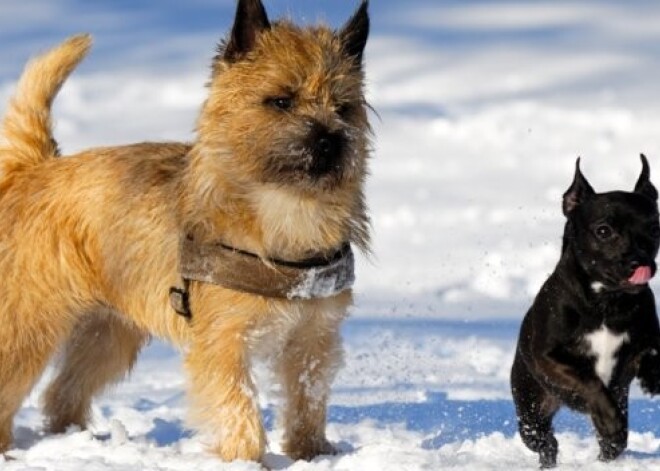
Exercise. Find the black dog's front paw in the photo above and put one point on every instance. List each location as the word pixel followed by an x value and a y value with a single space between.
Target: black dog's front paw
pixel 611 426
pixel 612 429
pixel 548 458
pixel 649 373
pixel 541 440
pixel 611 447
pixel 607 418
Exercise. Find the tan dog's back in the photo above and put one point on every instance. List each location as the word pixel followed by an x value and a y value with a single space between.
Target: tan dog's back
pixel 83 215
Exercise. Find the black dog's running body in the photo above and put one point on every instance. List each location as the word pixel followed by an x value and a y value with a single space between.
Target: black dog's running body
pixel 591 330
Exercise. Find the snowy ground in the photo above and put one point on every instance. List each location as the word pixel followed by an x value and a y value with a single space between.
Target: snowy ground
pixel 483 108
pixel 414 395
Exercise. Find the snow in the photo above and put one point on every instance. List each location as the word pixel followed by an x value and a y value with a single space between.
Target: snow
pixel 414 395
pixel 483 108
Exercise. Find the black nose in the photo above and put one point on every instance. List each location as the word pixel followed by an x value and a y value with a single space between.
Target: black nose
pixel 328 145
pixel 326 149
pixel 634 265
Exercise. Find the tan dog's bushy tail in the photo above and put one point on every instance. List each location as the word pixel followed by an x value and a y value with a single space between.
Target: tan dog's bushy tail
pixel 27 137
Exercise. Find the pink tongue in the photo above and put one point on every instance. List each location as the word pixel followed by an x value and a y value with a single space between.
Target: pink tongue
pixel 641 276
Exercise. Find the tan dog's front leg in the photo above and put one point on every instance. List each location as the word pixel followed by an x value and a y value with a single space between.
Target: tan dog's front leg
pixel 309 363
pixel 223 397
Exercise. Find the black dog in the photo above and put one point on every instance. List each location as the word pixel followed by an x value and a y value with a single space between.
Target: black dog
pixel 593 327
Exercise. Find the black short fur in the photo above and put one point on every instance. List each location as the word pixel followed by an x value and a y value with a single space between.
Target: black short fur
pixel 607 236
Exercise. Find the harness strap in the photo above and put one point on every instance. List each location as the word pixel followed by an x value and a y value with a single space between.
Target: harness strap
pixel 320 276
pixel 180 299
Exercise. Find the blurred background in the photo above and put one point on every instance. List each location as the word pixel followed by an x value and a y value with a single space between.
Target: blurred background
pixel 483 107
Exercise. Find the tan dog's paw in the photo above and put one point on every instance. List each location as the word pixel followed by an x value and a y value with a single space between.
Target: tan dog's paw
pixel 248 444
pixel 6 439
pixel 307 449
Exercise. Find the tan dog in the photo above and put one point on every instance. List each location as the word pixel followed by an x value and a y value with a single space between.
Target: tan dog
pixel 90 243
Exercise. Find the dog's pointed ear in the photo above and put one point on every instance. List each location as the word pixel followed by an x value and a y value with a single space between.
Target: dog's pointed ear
pixel 355 32
pixel 250 21
pixel 644 185
pixel 578 192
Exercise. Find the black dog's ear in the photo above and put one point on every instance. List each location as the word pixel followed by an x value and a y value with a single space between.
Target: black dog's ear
pixel 250 20
pixel 355 32
pixel 579 191
pixel 644 185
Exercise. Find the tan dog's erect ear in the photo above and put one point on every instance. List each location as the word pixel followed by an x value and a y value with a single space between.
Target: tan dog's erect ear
pixel 355 32
pixel 644 185
pixel 250 20
pixel 579 191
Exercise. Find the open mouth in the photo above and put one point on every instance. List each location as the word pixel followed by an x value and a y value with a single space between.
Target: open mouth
pixel 640 277
pixel 637 280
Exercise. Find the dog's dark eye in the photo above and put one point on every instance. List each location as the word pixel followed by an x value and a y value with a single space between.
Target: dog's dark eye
pixel 604 232
pixel 283 103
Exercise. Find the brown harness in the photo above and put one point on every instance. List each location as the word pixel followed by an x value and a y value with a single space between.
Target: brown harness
pixel 320 276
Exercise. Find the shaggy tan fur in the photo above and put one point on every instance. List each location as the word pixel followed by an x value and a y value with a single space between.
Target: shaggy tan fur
pixel 89 243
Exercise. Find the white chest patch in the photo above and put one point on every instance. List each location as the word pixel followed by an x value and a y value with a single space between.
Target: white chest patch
pixel 604 345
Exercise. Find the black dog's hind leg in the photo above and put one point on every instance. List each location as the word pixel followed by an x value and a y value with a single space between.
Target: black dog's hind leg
pixel 535 409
